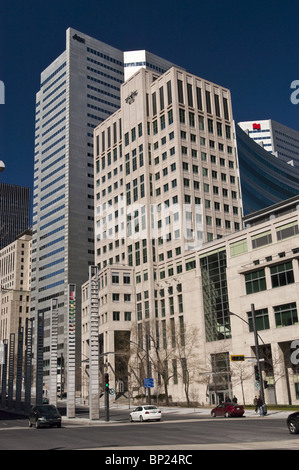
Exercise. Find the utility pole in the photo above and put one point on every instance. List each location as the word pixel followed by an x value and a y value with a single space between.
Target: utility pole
pixel 257 353
pixel 148 368
pixel 106 376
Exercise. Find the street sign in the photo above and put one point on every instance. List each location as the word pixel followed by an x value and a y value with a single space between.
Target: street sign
pixel 239 357
pixel 257 385
pixel 148 383
pixel 112 391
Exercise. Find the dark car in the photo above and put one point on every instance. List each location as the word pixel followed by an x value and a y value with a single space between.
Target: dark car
pixel 228 410
pixel 44 415
pixel 293 422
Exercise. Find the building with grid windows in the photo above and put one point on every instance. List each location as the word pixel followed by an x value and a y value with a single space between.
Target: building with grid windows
pixel 15 212
pixel 166 182
pixel 15 280
pixel 280 140
pixel 265 179
pixel 202 315
pixel 78 90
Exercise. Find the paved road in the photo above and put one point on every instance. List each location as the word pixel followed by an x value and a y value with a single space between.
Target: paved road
pixel 177 431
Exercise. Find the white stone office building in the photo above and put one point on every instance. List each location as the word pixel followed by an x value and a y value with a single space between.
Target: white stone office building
pixel 78 90
pixel 166 181
pixel 15 282
pixel 274 137
pixel 203 315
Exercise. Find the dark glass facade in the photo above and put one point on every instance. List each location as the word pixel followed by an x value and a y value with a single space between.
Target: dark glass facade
pixel 265 180
pixel 14 212
pixel 215 296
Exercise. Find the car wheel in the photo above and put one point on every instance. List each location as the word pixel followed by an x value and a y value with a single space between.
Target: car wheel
pixel 214 414
pixel 227 415
pixel 131 419
pixel 140 419
pixel 293 428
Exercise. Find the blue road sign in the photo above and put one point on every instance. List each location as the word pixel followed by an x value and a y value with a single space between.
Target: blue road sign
pixel 148 383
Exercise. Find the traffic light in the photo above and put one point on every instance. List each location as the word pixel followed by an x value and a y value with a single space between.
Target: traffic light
pixel 256 373
pixel 239 357
pixel 265 384
pixel 106 381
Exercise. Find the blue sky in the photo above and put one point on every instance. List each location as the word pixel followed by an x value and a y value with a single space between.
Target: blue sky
pixel 249 47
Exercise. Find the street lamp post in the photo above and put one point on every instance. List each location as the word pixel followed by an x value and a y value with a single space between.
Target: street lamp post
pixel 256 341
pixel 257 353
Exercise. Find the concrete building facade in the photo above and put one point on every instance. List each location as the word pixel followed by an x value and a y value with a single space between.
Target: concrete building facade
pixel 15 282
pixel 165 184
pixel 202 315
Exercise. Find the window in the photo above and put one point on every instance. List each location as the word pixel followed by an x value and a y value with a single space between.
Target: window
pixel 116 316
pixel 255 281
pixel 180 303
pixel 115 278
pixel 286 315
pixel 261 320
pixel 238 248
pixel 261 240
pixel 190 264
pixel 128 316
pixel 169 94
pixel 189 95
pixel 282 274
pixel 208 102
pixel 182 116
pixel 180 91
pixel 286 231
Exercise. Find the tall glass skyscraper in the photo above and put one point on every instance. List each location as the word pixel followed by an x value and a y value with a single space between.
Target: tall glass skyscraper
pixel 79 90
pixel 14 212
pixel 265 179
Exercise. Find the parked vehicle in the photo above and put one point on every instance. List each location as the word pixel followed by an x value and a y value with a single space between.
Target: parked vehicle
pixel 146 413
pixel 293 422
pixel 228 410
pixel 44 415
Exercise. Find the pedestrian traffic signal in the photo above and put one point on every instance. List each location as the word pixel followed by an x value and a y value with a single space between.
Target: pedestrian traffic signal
pixel 256 373
pixel 240 357
pixel 106 381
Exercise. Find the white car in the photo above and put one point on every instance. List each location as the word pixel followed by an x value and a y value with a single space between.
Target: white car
pixel 146 413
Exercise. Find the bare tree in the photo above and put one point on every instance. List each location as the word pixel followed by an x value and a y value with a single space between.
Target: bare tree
pixel 157 352
pixel 240 373
pixel 186 351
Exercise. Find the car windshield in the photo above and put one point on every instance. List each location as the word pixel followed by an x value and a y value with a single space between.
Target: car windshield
pixel 49 410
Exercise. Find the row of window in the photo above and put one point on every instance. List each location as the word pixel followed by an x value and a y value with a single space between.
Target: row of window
pixel 284 315
pixel 280 275
pixel 190 95
pixel 283 232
